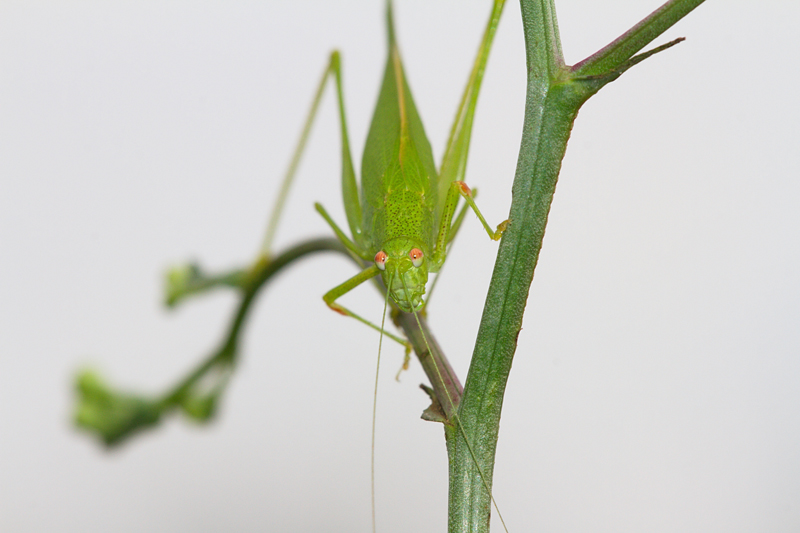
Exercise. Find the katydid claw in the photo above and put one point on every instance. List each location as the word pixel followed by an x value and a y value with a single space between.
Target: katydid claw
pixel 501 228
pixel 406 360
pixel 407 357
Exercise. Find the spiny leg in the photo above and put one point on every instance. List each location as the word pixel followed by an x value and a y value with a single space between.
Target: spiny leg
pixel 353 282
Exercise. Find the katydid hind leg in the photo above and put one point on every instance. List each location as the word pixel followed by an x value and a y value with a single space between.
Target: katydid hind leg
pixel 294 163
pixel 349 186
pixel 454 162
pixel 352 204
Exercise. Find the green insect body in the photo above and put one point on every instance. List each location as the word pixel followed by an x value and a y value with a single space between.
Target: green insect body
pixel 400 223
pixel 399 194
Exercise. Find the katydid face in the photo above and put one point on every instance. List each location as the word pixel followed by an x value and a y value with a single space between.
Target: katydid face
pixel 404 272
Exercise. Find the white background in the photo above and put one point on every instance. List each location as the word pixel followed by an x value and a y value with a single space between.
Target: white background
pixel 656 386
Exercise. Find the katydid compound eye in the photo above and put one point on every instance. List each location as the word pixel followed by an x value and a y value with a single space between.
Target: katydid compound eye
pixel 380 260
pixel 416 257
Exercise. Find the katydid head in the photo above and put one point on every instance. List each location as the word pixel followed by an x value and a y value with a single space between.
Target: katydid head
pixel 404 272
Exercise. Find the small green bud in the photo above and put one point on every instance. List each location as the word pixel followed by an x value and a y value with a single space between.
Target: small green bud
pixel 180 281
pixel 111 415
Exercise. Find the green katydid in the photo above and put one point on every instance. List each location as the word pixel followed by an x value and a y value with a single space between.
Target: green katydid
pixel 403 222
pixel 403 219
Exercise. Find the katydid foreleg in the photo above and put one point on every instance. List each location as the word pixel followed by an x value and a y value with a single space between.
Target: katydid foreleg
pixel 332 295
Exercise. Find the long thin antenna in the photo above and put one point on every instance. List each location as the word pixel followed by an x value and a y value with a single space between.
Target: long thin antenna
pixel 375 406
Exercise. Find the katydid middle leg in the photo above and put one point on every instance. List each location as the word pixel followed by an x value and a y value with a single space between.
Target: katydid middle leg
pixel 447 226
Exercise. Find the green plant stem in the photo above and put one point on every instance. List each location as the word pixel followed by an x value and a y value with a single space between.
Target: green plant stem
pixel 629 43
pixel 259 274
pixel 555 93
pixel 115 415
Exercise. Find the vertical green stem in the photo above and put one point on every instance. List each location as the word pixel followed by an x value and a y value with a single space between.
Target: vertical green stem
pixel 547 128
pixel 555 93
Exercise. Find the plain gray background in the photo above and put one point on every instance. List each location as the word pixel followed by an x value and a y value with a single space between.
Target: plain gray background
pixel 655 387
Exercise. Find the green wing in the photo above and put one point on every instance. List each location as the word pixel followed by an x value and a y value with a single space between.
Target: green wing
pixel 397 155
